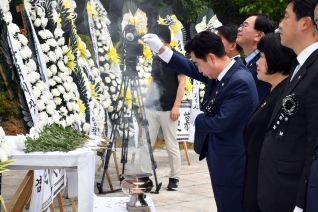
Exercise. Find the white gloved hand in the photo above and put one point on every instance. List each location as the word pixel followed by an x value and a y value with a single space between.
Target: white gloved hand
pixel 194 114
pixel 153 42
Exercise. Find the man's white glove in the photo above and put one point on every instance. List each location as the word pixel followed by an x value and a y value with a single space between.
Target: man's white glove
pixel 153 42
pixel 194 114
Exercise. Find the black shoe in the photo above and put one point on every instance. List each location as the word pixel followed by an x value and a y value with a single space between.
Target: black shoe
pixel 173 184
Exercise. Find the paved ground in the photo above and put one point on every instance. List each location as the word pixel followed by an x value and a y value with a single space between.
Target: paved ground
pixel 194 194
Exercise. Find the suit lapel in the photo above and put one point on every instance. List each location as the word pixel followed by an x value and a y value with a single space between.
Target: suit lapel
pixel 252 63
pixel 221 85
pixel 290 85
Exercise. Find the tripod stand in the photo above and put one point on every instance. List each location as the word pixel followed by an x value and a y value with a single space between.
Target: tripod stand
pixel 129 77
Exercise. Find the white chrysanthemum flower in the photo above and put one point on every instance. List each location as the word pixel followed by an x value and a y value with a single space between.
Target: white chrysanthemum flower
pixel 56 118
pixel 48 33
pixel 43 116
pixel 52 56
pixel 13 28
pixel 61 41
pixel 58 32
pixel 112 89
pixel 69 106
pixel 39 11
pixel 2 134
pixel 45 97
pixel 44 21
pixel 52 42
pixel 67 86
pixel 31 78
pixel 3 155
pixel 82 117
pixel 63 111
pixel 36 75
pixel 202 93
pixel 64 49
pixel 46 58
pixel 45 48
pixel 107 79
pixel 69 120
pixel 61 65
pixel 42 34
pixel 57 100
pixel 63 123
pixel 55 92
pixel 50 110
pixel 52 82
pixel 86 127
pixel 53 69
pixel 57 79
pixel 66 97
pixel 98 25
pixel 37 22
pixel 49 74
pixel 65 59
pixel 61 89
pixel 75 106
pixel 20 141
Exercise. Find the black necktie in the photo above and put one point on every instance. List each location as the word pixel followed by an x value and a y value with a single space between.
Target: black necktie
pixel 216 81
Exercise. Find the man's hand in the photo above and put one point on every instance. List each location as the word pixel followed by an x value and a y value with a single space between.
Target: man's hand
pixel 174 114
pixel 153 42
pixel 194 114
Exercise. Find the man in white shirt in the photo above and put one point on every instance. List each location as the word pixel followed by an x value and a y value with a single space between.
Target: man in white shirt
pixel 291 136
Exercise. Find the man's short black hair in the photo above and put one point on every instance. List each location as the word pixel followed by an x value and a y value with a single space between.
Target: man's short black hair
pixel 162 31
pixel 229 32
pixel 263 23
pixel 204 43
pixel 278 57
pixel 304 8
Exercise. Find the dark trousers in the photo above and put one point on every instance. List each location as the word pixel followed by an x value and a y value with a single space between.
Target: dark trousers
pixel 228 198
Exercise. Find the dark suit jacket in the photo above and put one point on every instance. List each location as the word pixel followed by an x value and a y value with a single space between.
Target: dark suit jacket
pixel 254 136
pixel 262 87
pixel 219 136
pixel 312 189
pixel 289 143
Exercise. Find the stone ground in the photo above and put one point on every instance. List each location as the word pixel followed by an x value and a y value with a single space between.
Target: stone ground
pixel 194 194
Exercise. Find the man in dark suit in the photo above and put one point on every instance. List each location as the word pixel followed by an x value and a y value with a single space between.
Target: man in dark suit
pixel 291 136
pixel 249 33
pixel 227 105
pixel 312 187
pixel 228 34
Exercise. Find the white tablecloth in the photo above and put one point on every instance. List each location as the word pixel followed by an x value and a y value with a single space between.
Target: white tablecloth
pixel 83 159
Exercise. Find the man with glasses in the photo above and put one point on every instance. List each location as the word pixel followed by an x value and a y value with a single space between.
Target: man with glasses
pixel 249 33
pixel 291 136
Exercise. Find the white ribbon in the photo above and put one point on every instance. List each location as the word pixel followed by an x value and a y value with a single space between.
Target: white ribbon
pixel 93 36
pixel 211 26
pixel 194 106
pixel 24 82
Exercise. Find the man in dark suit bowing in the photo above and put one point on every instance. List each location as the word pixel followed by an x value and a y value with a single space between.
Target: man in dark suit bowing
pixel 227 105
pixel 288 147
pixel 249 33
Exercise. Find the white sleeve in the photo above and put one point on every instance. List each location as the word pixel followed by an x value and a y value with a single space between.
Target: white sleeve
pixel 166 55
pixel 298 209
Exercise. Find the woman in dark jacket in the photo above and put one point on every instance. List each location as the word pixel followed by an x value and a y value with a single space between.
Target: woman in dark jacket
pixel 272 67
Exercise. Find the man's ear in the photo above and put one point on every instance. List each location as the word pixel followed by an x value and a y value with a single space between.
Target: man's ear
pixel 233 47
pixel 306 22
pixel 259 35
pixel 210 57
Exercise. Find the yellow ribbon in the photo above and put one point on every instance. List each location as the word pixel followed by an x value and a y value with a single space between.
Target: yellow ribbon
pixel 174 28
pixel 91 10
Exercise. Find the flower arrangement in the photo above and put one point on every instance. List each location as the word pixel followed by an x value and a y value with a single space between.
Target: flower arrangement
pixel 44 104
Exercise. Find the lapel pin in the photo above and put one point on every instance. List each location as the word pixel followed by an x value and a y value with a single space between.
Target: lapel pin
pixel 217 92
pixel 299 76
pixel 222 84
pixel 251 64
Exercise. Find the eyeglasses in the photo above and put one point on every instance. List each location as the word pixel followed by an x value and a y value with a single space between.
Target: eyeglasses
pixel 245 24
